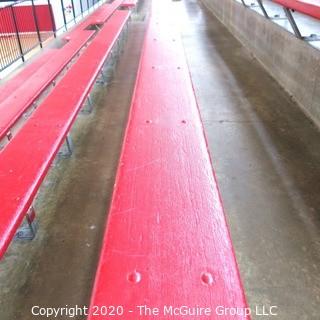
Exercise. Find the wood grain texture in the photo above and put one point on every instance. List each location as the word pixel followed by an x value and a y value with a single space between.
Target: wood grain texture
pixel 25 161
pixel 166 241
pixel 309 7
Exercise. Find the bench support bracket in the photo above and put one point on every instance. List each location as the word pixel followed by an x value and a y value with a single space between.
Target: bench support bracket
pixel 9 135
pixel 259 5
pixel 293 24
pixel 28 232
pixel 88 107
pixel 67 149
pixel 295 27
pixel 102 78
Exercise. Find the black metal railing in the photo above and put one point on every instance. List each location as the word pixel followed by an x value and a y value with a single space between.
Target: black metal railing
pixel 27 24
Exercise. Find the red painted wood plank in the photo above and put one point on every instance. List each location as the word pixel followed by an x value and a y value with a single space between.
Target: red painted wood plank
pixel 26 159
pixel 129 3
pixel 108 10
pixel 308 7
pixel 167 242
pixel 100 15
pixel 13 107
pixel 24 74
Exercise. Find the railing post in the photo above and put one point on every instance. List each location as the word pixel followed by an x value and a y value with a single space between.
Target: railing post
pixel 81 8
pixel 292 23
pixel 64 15
pixel 36 22
pixel 17 33
pixel 52 20
pixel 263 9
pixel 73 11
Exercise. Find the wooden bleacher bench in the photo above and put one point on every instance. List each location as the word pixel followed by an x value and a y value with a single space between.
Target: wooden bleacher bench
pixel 17 103
pixel 129 4
pixel 166 241
pixel 25 74
pixel 106 11
pixel 25 161
pixel 32 81
pixel 99 16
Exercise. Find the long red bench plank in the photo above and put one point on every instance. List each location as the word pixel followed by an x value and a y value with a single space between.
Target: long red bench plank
pixel 21 77
pixel 129 3
pixel 166 242
pixel 44 77
pixel 27 72
pixel 27 158
pixel 308 7
pixel 100 15
pixel 24 74
pixel 108 10
pixel 13 107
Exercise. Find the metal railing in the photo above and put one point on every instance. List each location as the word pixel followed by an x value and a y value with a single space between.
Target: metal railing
pixel 28 24
pixel 288 16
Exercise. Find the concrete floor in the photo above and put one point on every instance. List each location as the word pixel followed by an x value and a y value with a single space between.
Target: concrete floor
pixel 266 155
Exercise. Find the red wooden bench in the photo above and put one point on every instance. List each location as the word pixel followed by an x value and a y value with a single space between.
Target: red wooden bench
pixel 16 104
pixel 166 244
pixel 129 4
pixel 25 74
pixel 99 16
pixel 107 11
pixel 38 76
pixel 25 161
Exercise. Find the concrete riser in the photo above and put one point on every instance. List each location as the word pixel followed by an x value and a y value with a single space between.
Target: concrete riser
pixel 292 62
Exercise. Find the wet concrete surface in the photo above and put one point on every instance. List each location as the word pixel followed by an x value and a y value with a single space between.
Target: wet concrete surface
pixel 266 155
